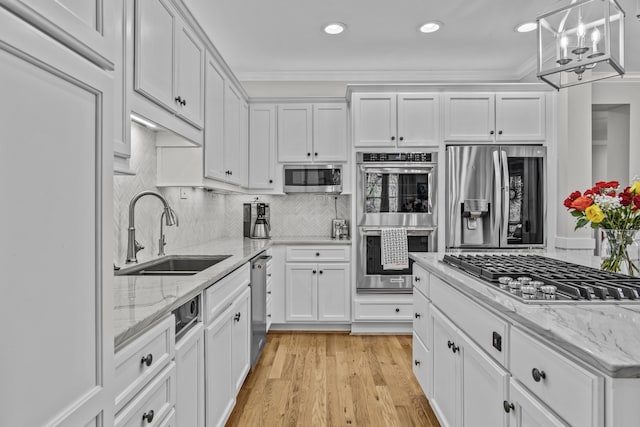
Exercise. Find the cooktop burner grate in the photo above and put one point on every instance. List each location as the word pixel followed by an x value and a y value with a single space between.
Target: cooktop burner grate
pixel 534 278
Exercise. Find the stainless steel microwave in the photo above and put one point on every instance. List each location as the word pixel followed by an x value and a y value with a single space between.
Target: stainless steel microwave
pixel 313 179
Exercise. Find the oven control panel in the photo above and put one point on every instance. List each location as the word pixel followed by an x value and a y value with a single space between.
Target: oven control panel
pixel 397 157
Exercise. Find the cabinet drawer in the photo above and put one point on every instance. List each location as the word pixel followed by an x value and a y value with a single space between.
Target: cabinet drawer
pixel 269 312
pixel 572 392
pixel 318 253
pixel 154 402
pixel 480 325
pixel 387 311
pixel 422 365
pixel 421 279
pixel 219 296
pixel 142 359
pixel 422 318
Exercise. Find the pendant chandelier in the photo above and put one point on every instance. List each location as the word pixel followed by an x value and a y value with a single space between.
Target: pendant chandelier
pixel 581 43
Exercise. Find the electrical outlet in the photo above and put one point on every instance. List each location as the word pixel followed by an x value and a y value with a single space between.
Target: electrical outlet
pixel 183 193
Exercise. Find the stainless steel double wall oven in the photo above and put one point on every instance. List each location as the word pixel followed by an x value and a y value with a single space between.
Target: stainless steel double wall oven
pixel 393 190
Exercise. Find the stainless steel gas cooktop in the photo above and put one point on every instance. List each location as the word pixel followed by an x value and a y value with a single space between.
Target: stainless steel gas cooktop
pixel 537 279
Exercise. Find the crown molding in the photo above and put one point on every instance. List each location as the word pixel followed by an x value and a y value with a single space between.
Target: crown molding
pixel 414 76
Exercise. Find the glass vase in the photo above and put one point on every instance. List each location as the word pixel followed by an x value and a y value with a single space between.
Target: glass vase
pixel 621 252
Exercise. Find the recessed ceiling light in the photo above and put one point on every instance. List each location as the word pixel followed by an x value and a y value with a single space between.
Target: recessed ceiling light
pixel 143 122
pixel 526 27
pixel 334 28
pixel 431 27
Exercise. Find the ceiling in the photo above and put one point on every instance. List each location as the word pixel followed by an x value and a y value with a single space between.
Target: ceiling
pixel 282 39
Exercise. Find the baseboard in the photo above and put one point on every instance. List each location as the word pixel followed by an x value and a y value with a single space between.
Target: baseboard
pixel 381 328
pixel 310 327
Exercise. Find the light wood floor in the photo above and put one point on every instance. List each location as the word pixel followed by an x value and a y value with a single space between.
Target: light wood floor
pixel 333 379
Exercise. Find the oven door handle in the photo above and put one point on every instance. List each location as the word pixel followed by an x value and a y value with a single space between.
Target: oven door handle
pixel 410 231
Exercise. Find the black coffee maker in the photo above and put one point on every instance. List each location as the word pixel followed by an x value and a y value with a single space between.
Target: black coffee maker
pixel 256 220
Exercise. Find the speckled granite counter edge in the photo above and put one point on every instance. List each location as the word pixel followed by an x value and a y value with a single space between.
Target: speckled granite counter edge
pixel 561 345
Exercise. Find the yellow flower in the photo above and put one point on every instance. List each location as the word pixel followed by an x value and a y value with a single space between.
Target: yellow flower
pixel 635 187
pixel 594 214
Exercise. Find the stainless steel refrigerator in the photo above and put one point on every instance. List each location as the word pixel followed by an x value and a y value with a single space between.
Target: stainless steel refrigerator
pixel 495 196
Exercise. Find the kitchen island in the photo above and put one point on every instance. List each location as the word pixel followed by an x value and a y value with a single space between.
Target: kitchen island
pixel 575 363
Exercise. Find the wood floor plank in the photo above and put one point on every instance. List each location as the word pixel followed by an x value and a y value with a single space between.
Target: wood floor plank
pixel 329 379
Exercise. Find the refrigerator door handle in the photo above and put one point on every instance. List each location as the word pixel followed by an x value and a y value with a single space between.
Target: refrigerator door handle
pixel 497 197
pixel 505 198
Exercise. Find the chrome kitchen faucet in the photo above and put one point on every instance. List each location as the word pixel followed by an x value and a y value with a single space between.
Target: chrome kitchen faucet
pixel 133 247
pixel 162 242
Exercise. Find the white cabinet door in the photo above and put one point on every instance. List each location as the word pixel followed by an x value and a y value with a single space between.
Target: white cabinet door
pixel 374 119
pixel 295 133
pixel 423 365
pixel 214 122
pixel 155 26
pixel 484 387
pixel 330 132
pixel 301 292
pixel 527 411
pixel 56 142
pixel 418 119
pixel 447 399
pixel 469 117
pixel 220 390
pixel 83 25
pixel 422 322
pixel 190 76
pixel 232 150
pixel 190 378
pixel 262 146
pixel 333 292
pixel 244 144
pixel 520 117
pixel 241 340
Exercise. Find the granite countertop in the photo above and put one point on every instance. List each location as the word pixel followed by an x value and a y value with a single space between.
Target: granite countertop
pixel 309 240
pixel 605 336
pixel 140 301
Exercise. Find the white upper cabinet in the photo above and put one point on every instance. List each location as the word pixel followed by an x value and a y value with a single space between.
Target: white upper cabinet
pixel 262 146
pixel 312 132
pixel 396 119
pixel 489 117
pixel 295 132
pixel 169 63
pixel 214 122
pixel 85 26
pixel 232 150
pixel 329 132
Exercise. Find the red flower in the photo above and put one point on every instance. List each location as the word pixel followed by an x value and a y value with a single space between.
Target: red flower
pixel 582 203
pixel 636 202
pixel 571 198
pixel 602 186
pixel 626 198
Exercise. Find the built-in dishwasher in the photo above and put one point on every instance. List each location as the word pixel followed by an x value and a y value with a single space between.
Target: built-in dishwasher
pixel 258 306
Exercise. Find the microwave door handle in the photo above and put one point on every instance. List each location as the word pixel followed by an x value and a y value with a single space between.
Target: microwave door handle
pixel 497 196
pixel 505 198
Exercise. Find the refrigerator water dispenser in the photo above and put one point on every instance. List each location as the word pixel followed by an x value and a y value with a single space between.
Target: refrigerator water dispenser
pixel 473 213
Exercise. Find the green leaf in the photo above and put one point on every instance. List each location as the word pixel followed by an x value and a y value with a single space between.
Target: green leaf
pixel 581 223
pixel 577 213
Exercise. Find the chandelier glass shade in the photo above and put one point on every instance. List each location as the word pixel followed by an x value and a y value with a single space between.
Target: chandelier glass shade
pixel 581 43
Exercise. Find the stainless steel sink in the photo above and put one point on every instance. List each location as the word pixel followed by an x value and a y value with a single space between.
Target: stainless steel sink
pixel 173 265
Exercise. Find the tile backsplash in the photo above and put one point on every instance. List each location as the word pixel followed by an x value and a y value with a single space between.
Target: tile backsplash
pixel 204 215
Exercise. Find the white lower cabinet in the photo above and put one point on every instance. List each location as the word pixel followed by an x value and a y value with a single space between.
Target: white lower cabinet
pixel 526 411
pixel 317 292
pixel 468 386
pixel 190 379
pixel 227 345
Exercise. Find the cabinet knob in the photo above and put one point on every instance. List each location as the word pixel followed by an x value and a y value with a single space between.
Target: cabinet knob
pixel 147 360
pixel 418 315
pixel 499 132
pixel 508 406
pixel 317 253
pixel 416 279
pixel 270 181
pixel 538 375
pixel 230 172
pixel 313 271
pixel 401 138
pixel 148 416
pixel 397 310
pixel 268 315
pixel 236 318
pixel 491 133
pixel 315 154
pixel 455 348
pixel 184 102
pixel 393 138
pixel 178 100
pixel 308 154
pixel 416 362
pixel 449 344
pixel 320 271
